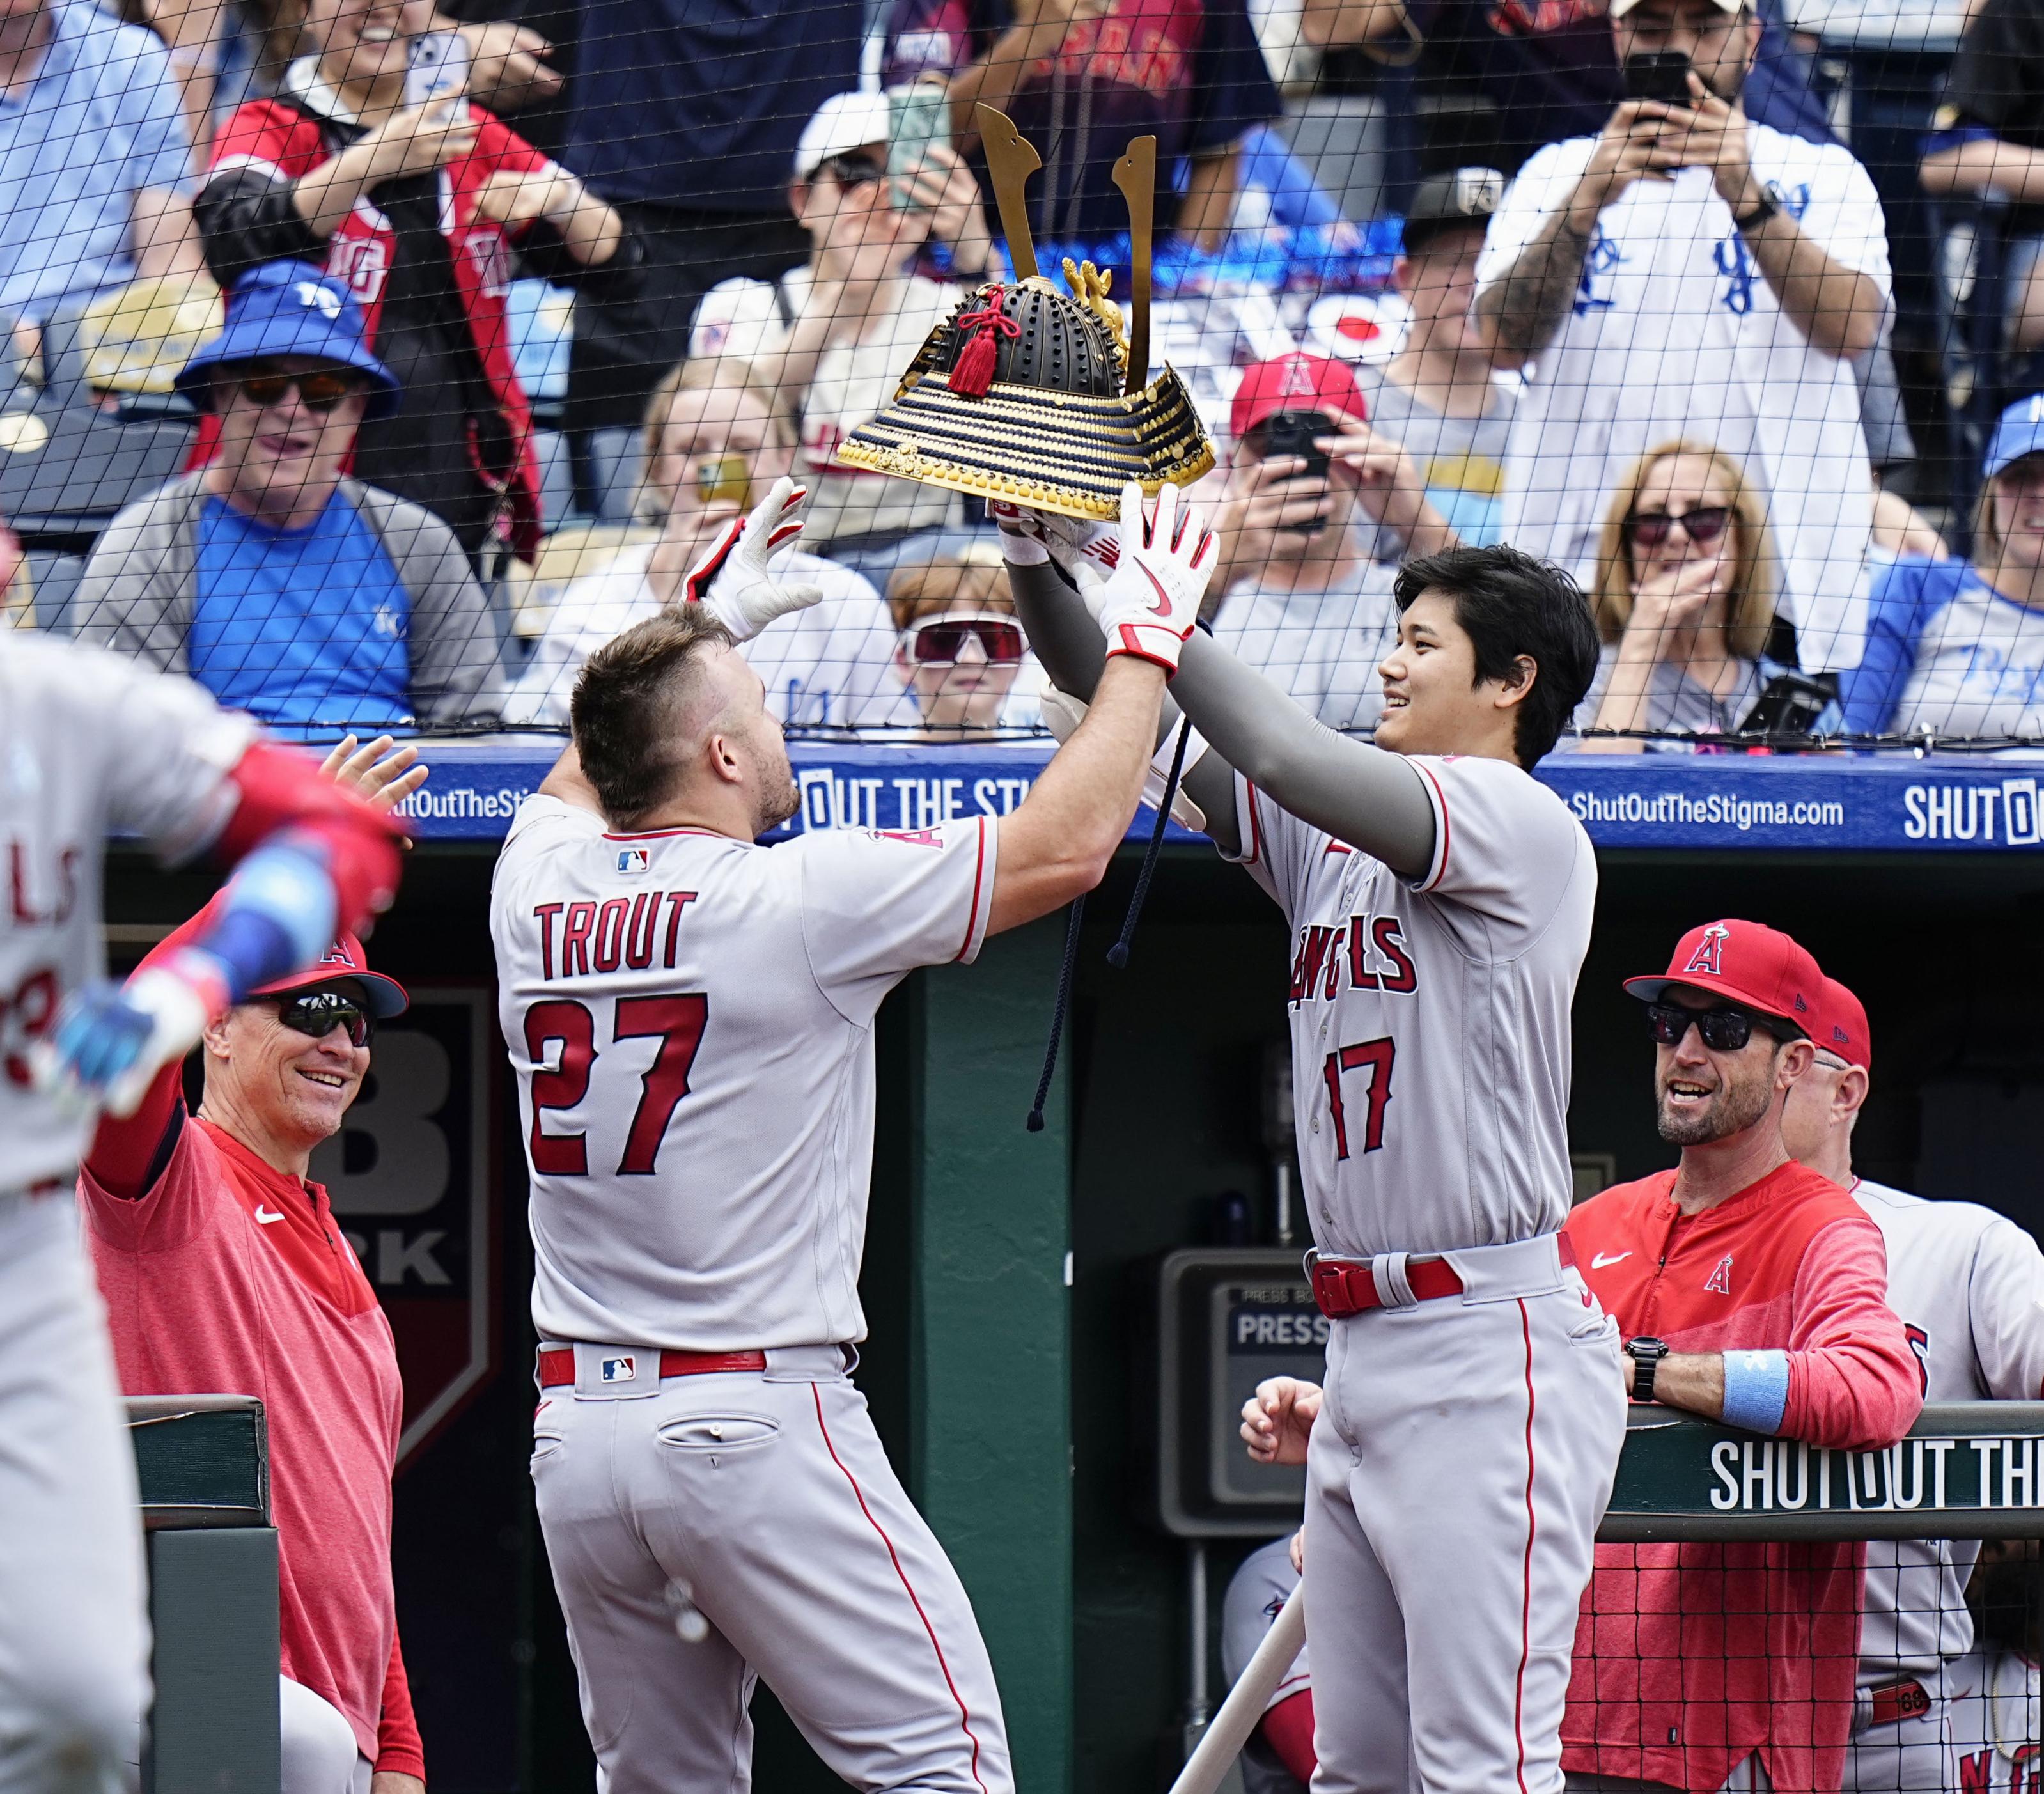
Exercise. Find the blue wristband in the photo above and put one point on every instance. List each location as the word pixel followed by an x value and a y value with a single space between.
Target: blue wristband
pixel 278 917
pixel 1756 1390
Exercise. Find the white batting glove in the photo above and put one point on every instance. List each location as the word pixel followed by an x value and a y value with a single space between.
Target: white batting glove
pixel 110 1040
pixel 1147 607
pixel 1029 538
pixel 731 581
pixel 1062 714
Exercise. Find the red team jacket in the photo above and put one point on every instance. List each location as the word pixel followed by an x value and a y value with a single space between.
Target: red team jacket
pixel 1690 1657
pixel 275 135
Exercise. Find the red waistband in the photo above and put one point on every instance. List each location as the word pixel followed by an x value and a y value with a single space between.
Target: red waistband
pixel 1343 1286
pixel 1893 1701
pixel 557 1365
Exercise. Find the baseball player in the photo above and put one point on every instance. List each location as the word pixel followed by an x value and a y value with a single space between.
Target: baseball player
pixel 90 742
pixel 1997 1730
pixel 1279 1758
pixel 690 1018
pixel 1968 1286
pixel 1439 901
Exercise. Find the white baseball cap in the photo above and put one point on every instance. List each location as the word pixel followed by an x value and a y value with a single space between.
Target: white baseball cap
pixel 1619 8
pixel 844 122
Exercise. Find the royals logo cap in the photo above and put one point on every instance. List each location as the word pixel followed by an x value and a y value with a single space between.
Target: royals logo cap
pixel 1841 1027
pixel 1744 962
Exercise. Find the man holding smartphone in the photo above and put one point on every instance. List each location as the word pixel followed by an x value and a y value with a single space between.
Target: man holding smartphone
pixel 1300 596
pixel 1687 273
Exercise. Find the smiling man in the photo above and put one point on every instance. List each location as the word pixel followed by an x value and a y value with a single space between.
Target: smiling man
pixel 224 1270
pixel 1439 901
pixel 311 600
pixel 1752 1289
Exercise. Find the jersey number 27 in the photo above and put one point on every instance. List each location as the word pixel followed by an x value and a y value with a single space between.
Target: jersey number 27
pixel 676 1022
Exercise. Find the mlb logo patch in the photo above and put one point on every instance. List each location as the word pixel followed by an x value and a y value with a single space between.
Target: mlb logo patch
pixel 620 1370
pixel 633 859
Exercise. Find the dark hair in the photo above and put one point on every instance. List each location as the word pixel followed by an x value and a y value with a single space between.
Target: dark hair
pixel 1508 604
pixel 626 705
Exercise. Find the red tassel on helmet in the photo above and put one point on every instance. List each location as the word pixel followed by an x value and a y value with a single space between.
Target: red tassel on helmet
pixel 973 372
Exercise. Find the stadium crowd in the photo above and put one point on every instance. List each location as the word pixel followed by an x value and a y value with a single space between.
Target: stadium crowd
pixel 451 399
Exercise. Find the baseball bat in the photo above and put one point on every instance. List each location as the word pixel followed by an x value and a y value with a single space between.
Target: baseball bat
pixel 1222 1742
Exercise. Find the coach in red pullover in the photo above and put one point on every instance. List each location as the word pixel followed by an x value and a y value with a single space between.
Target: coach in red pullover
pixel 224 1270
pixel 1766 1283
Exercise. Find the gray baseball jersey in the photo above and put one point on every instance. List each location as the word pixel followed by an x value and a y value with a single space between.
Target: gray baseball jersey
pixel 89 743
pixel 1431 1037
pixel 690 1018
pixel 1996 1733
pixel 1968 1286
pixel 1256 1594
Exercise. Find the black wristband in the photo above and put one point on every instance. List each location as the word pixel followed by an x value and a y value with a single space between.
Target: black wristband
pixel 1769 205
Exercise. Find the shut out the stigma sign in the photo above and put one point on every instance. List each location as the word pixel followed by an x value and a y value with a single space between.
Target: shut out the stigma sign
pixel 1967 1470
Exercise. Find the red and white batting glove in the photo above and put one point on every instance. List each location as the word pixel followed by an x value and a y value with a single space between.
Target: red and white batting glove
pixel 731 581
pixel 1029 538
pixel 1147 607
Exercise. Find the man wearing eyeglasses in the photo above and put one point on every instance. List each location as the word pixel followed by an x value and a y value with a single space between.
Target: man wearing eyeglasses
pixel 1751 1288
pixel 289 590
pixel 1968 1286
pixel 224 1269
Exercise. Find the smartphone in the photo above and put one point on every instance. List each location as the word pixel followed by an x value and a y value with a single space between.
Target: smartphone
pixel 436 67
pixel 918 115
pixel 1658 74
pixel 725 477
pixel 1285 434
pixel 1790 705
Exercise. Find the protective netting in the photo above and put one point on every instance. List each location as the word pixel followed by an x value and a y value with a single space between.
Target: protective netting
pixel 1733 311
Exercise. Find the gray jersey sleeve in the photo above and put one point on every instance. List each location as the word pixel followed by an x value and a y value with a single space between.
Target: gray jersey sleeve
pixel 1359 794
pixel 2005 1297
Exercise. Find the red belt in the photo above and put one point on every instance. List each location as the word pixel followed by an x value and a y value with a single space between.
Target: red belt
pixel 1343 1286
pixel 1898 1701
pixel 557 1368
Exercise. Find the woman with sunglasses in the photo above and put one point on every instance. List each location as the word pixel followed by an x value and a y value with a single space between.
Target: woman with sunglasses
pixel 1687 583
pixel 420 208
pixel 961 649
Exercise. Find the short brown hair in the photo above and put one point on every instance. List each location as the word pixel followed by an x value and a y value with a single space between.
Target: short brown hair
pixel 973 580
pixel 626 703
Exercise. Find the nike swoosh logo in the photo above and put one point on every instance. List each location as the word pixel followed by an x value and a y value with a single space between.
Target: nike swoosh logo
pixel 264 1217
pixel 1600 1261
pixel 1163 607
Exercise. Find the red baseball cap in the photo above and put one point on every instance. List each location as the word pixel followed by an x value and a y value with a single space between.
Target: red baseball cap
pixel 1842 1026
pixel 1748 962
pixel 344 960
pixel 1295 382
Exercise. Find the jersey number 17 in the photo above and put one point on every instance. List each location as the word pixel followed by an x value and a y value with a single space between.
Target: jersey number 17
pixel 676 1022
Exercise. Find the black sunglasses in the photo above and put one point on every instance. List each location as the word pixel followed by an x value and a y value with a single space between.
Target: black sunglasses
pixel 319 1012
pixel 851 171
pixel 1704 526
pixel 1724 1029
pixel 320 392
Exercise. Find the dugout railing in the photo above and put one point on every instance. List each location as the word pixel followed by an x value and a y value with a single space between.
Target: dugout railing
pixel 1968 1469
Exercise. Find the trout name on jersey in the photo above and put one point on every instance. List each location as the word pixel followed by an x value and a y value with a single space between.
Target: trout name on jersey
pixel 1368 952
pixel 624 934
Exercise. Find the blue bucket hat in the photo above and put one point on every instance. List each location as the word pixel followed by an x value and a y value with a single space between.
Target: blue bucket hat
pixel 2019 432
pixel 294 309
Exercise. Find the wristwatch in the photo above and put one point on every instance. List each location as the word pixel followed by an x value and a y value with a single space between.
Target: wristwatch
pixel 1764 208
pixel 1645 1353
